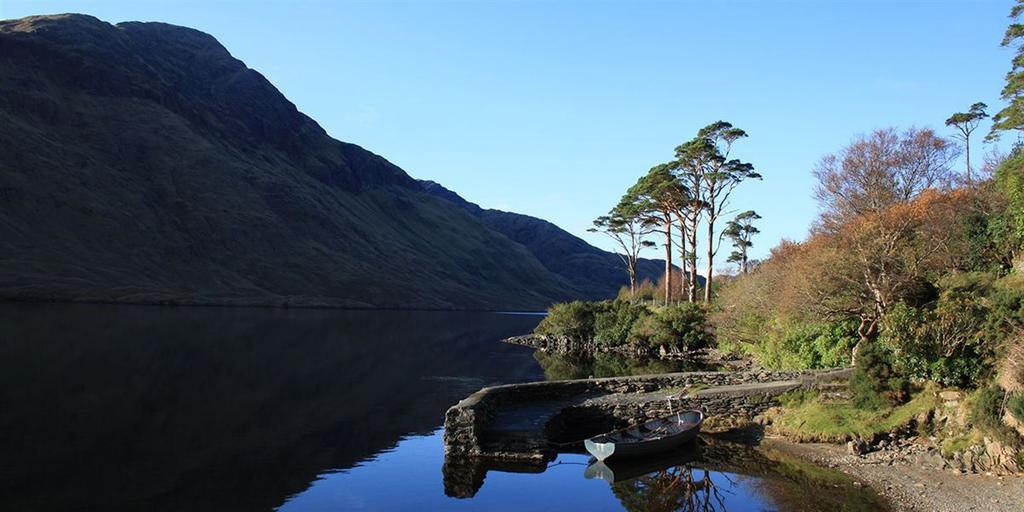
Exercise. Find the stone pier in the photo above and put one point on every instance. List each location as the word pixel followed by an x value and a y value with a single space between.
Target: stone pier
pixel 519 423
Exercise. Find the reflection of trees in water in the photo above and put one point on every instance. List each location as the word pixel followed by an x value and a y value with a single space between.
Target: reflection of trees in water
pixel 605 364
pixel 791 480
pixel 698 478
pixel 675 489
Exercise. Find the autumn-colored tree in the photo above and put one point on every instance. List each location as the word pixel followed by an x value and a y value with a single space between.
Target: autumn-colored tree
pixel 771 312
pixel 881 170
pixel 878 259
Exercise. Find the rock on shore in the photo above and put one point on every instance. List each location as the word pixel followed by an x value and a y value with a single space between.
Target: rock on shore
pixel 915 479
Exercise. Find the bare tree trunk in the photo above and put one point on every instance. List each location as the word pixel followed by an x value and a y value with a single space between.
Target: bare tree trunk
pixel 668 259
pixel 711 260
pixel 692 296
pixel 683 277
pixel 967 143
pixel 865 330
pixel 632 279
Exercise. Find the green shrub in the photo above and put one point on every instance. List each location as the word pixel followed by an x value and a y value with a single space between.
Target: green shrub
pixel 652 331
pixel 901 332
pixel 772 353
pixel 874 383
pixel 986 413
pixel 614 320
pixel 987 409
pixel 799 346
pixel 946 344
pixel 688 323
pixel 574 320
pixel 1015 404
pixel 1007 308
pixel 961 372
pixel 617 322
pixel 739 332
pixel 1007 225
pixel 681 325
pixel 820 345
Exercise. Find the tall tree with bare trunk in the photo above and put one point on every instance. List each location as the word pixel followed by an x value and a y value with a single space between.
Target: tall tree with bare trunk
pixel 664 195
pixel 689 217
pixel 965 123
pixel 707 157
pixel 627 226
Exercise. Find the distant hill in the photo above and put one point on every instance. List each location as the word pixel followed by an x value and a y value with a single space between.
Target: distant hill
pixel 595 273
pixel 143 163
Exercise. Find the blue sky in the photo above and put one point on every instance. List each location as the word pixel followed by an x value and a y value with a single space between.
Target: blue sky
pixel 554 108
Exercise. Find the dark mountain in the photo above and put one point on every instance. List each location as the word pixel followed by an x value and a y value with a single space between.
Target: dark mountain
pixel 595 273
pixel 143 163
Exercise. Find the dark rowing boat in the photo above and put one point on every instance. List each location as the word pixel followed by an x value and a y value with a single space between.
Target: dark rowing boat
pixel 648 438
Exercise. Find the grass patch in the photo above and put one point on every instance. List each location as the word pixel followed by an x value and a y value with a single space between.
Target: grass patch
pixel 692 390
pixel 959 443
pixel 1015 405
pixel 986 413
pixel 805 417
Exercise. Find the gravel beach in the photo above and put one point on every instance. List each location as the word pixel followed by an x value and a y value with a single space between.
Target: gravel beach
pixel 915 480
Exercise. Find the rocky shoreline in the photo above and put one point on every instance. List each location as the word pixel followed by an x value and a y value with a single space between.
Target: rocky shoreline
pixel 908 466
pixel 566 346
pixel 914 477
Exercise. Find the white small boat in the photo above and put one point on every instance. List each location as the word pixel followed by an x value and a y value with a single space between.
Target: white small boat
pixel 655 436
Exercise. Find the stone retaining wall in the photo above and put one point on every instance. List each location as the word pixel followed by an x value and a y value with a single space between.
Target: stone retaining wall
pixel 596 403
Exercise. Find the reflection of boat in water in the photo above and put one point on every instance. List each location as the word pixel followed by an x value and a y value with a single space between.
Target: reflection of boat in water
pixel 649 438
pixel 667 481
pixel 621 470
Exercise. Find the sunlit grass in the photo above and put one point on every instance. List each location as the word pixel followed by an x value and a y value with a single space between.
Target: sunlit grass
pixel 805 416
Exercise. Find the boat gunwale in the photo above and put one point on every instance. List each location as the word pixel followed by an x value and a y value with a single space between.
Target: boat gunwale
pixel 646 439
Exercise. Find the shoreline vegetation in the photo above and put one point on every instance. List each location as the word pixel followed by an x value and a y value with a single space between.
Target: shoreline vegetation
pixel 913 274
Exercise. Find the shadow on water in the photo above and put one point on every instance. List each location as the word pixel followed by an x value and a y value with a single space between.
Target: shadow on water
pixel 711 474
pixel 150 408
pixel 159 409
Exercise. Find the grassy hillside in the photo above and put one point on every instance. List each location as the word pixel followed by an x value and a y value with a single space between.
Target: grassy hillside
pixel 594 273
pixel 143 163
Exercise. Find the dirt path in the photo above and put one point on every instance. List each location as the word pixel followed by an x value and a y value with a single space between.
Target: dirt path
pixel 916 483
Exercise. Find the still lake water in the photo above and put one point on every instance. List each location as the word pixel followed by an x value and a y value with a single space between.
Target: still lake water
pixel 158 409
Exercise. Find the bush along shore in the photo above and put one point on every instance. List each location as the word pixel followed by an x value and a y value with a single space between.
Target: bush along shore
pixel 913 273
pixel 624 327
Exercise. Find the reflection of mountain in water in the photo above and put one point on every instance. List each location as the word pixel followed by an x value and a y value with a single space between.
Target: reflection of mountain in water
pixel 144 408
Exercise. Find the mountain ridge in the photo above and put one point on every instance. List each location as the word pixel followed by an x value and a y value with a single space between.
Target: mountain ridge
pixel 597 273
pixel 145 164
